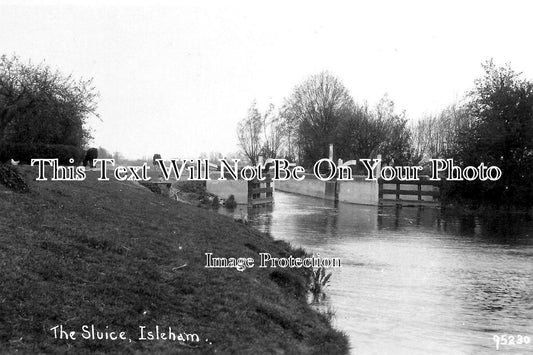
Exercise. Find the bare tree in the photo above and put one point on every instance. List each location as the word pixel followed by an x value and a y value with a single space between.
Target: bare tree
pixel 316 108
pixel 436 135
pixel 274 132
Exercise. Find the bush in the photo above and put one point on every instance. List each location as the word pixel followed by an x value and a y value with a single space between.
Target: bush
pixel 24 152
pixel 39 104
pixel 10 177
pixel 230 202
pixel 215 203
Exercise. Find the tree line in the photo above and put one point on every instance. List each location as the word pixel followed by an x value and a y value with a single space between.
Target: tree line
pixel 493 124
pixel 43 111
pixel 321 111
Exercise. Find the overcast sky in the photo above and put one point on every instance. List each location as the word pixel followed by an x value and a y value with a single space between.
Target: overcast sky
pixel 175 78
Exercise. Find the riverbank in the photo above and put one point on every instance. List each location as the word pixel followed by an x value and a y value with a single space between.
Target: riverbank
pixel 113 254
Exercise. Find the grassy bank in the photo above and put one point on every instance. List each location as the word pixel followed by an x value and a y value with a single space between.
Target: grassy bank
pixel 115 254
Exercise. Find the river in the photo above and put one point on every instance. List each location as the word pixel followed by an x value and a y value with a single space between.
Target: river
pixel 416 281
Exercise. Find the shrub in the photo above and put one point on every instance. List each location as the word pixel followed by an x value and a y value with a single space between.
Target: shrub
pixel 319 281
pixel 152 187
pixel 10 177
pixel 25 152
pixel 215 203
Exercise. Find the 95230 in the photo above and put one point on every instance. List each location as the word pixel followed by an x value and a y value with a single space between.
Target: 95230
pixel 501 340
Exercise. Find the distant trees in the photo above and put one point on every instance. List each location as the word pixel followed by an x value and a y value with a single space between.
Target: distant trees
pixel 41 105
pixel 249 132
pixel 119 157
pixel 104 153
pixel 396 141
pixel 214 157
pixel 367 133
pixel 493 125
pixel 500 133
pixel 436 136
pixel 358 134
pixel 321 111
pixel 315 109
pixel 262 134
pixel 274 133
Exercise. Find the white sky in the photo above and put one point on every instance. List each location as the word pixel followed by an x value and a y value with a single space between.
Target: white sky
pixel 176 77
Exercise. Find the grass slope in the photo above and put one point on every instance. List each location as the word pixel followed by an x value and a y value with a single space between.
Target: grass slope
pixel 105 253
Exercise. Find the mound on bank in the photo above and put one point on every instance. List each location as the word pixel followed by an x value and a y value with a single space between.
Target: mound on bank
pixel 112 254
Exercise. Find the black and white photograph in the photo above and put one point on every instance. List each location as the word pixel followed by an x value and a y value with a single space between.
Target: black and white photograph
pixel 282 177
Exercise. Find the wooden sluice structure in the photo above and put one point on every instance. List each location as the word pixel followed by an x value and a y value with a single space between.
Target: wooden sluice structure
pixel 253 193
pixel 261 193
pixel 423 192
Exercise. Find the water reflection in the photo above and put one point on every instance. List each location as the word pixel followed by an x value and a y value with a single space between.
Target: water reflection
pixel 416 281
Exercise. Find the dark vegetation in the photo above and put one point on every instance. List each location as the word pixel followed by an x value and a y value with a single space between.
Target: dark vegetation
pixel 114 254
pixel 321 111
pixel 90 155
pixel 493 124
pixel 25 152
pixel 41 105
pixel 10 178
pixel 230 202
pixel 43 112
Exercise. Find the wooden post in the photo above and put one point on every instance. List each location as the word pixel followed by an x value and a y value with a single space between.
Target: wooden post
pixel 378 177
pixel 378 173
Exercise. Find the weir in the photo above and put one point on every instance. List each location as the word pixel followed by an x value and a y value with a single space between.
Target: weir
pixel 378 192
pixel 254 193
pixel 363 192
pixel 381 191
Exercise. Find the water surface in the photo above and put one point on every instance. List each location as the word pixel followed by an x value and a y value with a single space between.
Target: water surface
pixel 415 281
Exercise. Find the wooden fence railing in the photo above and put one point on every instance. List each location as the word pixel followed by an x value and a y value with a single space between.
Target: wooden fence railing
pixel 409 193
